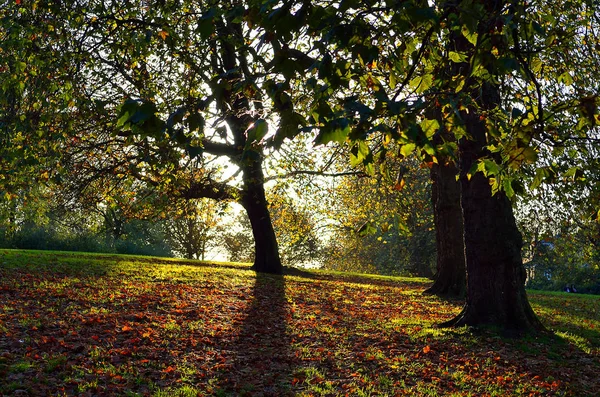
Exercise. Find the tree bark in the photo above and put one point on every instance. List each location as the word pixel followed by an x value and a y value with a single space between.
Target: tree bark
pixel 266 250
pixel 495 274
pixel 450 279
pixel 496 294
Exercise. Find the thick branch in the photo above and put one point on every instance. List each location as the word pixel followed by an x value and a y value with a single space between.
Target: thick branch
pixel 220 149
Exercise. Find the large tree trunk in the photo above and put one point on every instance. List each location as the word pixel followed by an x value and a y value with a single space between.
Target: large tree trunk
pixel 495 274
pixel 447 216
pixel 266 250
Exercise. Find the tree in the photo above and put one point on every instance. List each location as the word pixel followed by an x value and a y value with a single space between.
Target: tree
pixel 236 239
pixel 561 239
pixel 192 227
pixel 157 93
pixel 495 274
pixel 382 224
pixel 494 100
pixel 296 230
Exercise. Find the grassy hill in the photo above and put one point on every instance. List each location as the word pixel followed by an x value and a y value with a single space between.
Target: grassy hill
pixel 88 324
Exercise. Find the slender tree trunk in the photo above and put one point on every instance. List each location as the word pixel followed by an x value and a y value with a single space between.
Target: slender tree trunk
pixel 266 250
pixel 237 110
pixel 447 215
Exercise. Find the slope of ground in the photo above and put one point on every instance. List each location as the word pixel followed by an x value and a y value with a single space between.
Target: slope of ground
pixel 83 324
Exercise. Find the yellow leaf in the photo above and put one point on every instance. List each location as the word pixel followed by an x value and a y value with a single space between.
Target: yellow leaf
pixel 400 184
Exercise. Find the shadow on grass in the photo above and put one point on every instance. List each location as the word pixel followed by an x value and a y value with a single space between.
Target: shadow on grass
pixel 262 357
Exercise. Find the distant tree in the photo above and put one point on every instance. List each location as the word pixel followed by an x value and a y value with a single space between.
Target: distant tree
pixel 192 227
pixel 19 211
pixel 236 240
pixel 382 224
pixel 296 230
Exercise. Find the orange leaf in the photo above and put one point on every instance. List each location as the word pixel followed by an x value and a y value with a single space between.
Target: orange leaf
pixel 426 349
pixel 400 185
pixel 126 328
pixel 169 369
pixel 163 34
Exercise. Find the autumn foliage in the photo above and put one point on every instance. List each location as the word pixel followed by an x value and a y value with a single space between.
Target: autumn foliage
pixel 78 324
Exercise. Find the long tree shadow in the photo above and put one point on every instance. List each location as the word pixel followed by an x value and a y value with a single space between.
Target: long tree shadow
pixel 262 357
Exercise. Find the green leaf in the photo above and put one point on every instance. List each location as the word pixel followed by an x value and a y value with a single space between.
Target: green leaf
pixel 509 63
pixel 421 83
pixel 195 122
pixel 205 25
pixel 366 229
pixel 407 149
pixel 457 57
pixel 194 151
pixel 460 85
pixel 20 67
pixel 336 131
pixel 430 150
pixel 536 65
pixel 489 167
pixel 257 132
pixel 508 189
pixel 363 150
pixel 573 173
pixel 144 112
pixel 430 127
pixel 565 78
pixel 530 154
pixel 128 108
pixel 537 179
pixel 393 80
pixel 471 36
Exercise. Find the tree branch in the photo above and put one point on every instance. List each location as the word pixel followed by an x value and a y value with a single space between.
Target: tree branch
pixel 207 188
pixel 317 173
pixel 220 149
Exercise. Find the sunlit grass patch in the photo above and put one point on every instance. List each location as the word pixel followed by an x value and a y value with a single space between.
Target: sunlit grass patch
pixel 181 391
pixel 581 342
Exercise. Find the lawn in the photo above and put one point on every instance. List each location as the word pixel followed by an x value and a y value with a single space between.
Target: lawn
pixel 86 324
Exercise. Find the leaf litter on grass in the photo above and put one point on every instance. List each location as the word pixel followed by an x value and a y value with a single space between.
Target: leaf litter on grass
pixel 111 325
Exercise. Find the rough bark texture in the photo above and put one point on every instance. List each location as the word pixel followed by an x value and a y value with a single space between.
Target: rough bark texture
pixel 495 274
pixel 447 215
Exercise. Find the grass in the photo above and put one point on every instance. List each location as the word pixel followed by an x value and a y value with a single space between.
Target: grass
pixel 73 323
